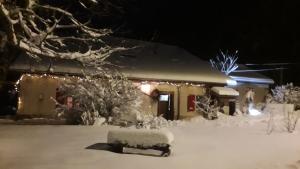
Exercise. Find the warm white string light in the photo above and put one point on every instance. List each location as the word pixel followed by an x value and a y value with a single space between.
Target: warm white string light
pixel 48 76
pixel 171 83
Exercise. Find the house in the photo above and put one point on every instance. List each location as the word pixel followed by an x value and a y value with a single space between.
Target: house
pixel 170 77
pixel 174 76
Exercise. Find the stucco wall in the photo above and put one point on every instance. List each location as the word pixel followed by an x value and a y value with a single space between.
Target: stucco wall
pixel 35 95
pixel 150 105
pixel 36 92
pixel 184 92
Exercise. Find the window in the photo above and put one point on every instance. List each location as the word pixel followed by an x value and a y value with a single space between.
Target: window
pixel 164 97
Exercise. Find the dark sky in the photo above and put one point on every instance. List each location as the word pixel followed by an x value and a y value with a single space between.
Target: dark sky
pixel 262 31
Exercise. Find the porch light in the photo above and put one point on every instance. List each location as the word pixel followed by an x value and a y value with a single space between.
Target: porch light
pixel 254 112
pixel 145 88
pixel 231 82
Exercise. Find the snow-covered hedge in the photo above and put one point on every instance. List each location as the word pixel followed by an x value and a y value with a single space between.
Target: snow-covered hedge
pixel 140 137
pixel 149 121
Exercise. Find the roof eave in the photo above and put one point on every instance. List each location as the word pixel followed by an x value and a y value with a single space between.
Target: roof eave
pixel 252 80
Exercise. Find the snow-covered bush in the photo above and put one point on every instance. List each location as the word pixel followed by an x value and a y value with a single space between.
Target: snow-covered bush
pixel 289 94
pixel 108 95
pixel 206 106
pixel 225 62
pixel 140 137
pixel 286 95
pixel 141 141
pixel 291 120
pixel 149 121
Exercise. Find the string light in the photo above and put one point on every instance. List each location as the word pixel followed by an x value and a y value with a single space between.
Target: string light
pixel 48 76
pixel 84 79
pixel 171 83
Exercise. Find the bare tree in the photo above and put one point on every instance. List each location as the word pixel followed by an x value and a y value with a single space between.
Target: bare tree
pixel 52 29
pixel 225 62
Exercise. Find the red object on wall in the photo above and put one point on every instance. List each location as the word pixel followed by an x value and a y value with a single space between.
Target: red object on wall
pixel 191 103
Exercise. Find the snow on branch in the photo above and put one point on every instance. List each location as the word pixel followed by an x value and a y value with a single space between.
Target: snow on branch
pixel 52 31
pixel 288 93
pixel 208 107
pixel 225 62
pixel 103 94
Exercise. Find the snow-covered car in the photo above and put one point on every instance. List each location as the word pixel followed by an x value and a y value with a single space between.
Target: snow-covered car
pixel 141 141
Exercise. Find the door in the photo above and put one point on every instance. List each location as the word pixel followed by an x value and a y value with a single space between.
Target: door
pixel 166 105
pixel 231 107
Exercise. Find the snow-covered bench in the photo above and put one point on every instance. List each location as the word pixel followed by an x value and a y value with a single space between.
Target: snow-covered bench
pixel 141 141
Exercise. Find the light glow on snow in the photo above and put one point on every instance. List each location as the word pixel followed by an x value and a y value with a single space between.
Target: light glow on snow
pixel 145 88
pixel 254 112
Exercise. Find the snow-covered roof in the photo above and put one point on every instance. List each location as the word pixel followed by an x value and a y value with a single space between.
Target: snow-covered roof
pixel 142 61
pixel 225 91
pixel 244 75
pixel 156 61
pixel 25 63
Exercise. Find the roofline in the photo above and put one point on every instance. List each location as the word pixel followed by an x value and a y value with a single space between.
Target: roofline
pixel 253 80
pixel 129 78
pixel 175 81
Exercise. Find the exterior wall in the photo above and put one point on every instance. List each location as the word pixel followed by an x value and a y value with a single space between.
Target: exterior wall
pixel 261 90
pixel 184 92
pixel 36 92
pixel 35 95
pixel 180 96
pixel 224 100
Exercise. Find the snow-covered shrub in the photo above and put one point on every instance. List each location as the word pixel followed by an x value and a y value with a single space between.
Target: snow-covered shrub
pixel 149 121
pixel 140 137
pixel 141 141
pixel 225 62
pixel 282 117
pixel 289 94
pixel 206 106
pixel 108 95
pixel 291 120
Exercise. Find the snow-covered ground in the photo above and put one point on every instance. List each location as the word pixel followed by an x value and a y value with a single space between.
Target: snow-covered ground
pixel 238 142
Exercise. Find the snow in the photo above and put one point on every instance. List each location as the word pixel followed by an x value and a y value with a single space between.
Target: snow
pixel 225 91
pixel 140 137
pixel 278 109
pixel 160 62
pixel 230 142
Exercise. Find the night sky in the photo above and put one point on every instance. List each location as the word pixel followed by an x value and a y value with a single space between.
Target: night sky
pixel 265 31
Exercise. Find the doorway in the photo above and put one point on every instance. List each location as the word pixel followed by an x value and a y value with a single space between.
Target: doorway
pixel 232 107
pixel 166 105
